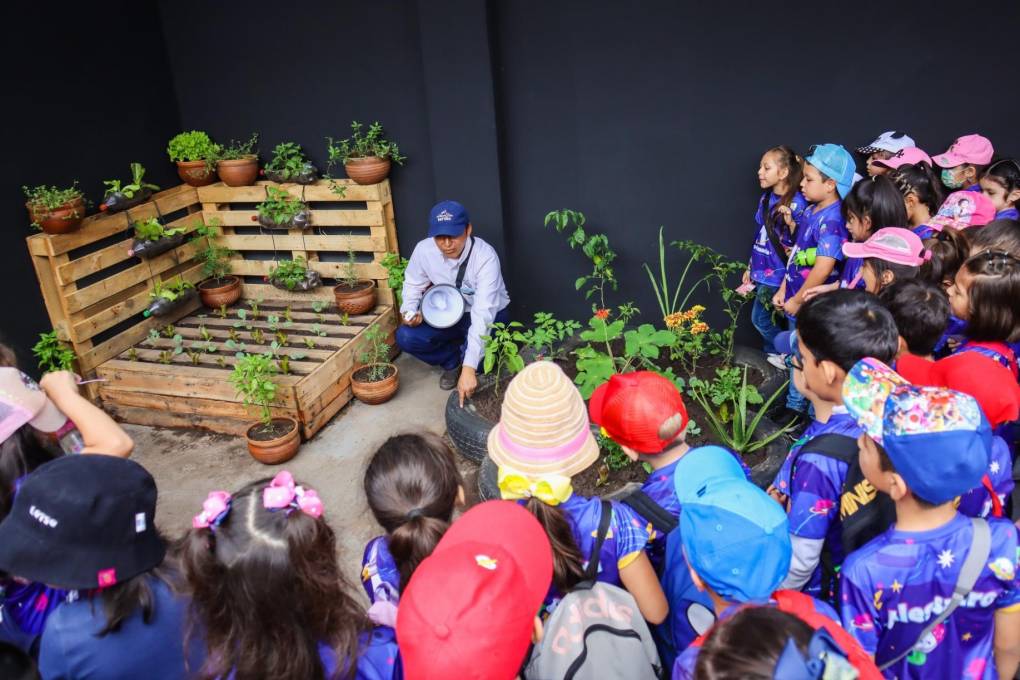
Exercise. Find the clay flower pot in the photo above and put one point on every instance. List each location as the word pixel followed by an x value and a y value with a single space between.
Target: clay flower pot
pixel 61 220
pixel 375 392
pixel 195 173
pixel 238 173
pixel 368 170
pixel 356 300
pixel 217 292
pixel 276 450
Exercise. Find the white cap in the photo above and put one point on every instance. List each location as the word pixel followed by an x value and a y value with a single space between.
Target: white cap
pixel 891 141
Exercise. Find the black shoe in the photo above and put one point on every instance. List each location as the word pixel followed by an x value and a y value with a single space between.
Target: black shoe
pixel 448 380
pixel 786 416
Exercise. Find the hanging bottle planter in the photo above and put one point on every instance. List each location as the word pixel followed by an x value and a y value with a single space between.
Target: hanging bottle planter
pixel 280 210
pixel 152 238
pixel 294 275
pixel 290 165
pixel 119 197
pixel 168 297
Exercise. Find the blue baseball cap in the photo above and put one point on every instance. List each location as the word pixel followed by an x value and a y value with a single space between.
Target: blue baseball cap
pixel 786 343
pixel 448 218
pixel 938 440
pixel 836 163
pixel 736 539
pixel 701 466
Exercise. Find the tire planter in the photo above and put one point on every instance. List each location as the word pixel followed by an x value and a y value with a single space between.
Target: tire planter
pixel 302 220
pixel 309 175
pixel 214 296
pixel 275 451
pixel 312 280
pixel 164 307
pixel 148 249
pixel 468 430
pixel 195 173
pixel 368 170
pixel 241 172
pixel 376 392
pixel 117 202
pixel 357 301
pixel 60 220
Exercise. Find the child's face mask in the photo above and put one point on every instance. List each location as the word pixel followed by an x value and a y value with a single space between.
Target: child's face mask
pixel 950 180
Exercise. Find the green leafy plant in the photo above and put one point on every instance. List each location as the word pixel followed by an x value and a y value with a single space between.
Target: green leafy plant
pixel 253 305
pixel 52 354
pixel 221 362
pixel 193 146
pixel 725 400
pixel 349 269
pixel 502 351
pixel 595 247
pixel 204 333
pixel 289 273
pixel 44 199
pixel 170 290
pixel 345 318
pixel 132 354
pixel 215 258
pixel 395 267
pixel 273 321
pixel 279 206
pixel 670 304
pixel 222 311
pixel 288 161
pixel 375 354
pixel 258 337
pixel 153 337
pixel 690 332
pixel 287 315
pixel 547 333
pixel 253 379
pixel 152 230
pixel 309 342
pixel 114 186
pixel 195 354
pixel 282 338
pixel 363 145
pixel 232 335
pixel 319 305
pixel 318 330
pixel 168 331
pixel 597 362
pixel 236 151
pixel 237 347
pixel 167 356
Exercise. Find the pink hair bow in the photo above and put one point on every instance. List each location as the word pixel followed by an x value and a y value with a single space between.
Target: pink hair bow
pixel 283 493
pixel 214 508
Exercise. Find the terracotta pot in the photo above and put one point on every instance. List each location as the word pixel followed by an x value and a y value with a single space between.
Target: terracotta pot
pixel 213 296
pixel 238 173
pixel 357 301
pixel 375 392
pixel 195 173
pixel 60 220
pixel 275 451
pixel 368 170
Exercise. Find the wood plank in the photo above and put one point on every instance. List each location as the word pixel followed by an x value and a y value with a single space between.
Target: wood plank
pixel 270 293
pixel 322 418
pixel 318 192
pixel 169 411
pixel 183 380
pixel 153 416
pixel 150 350
pixel 37 244
pixel 329 270
pixel 44 272
pixel 372 217
pixel 309 241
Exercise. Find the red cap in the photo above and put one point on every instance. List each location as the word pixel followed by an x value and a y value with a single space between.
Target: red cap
pixel 642 411
pixel 469 607
pixel 990 383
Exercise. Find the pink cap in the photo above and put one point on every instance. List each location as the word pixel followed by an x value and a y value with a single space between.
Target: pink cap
pixel 911 155
pixel 898 245
pixel 973 149
pixel 23 401
pixel 964 209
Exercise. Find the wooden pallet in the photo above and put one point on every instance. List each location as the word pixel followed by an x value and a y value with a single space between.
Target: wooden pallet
pixel 139 388
pixel 95 293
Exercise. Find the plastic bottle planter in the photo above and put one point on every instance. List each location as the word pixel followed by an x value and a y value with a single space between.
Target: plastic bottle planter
pixel 239 172
pixel 308 175
pixel 117 201
pixel 195 173
pixel 312 280
pixel 368 170
pixel 60 220
pixel 146 249
pixel 302 220
pixel 164 307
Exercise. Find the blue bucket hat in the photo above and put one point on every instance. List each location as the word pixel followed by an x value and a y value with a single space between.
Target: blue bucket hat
pixel 937 439
pixel 448 218
pixel 836 163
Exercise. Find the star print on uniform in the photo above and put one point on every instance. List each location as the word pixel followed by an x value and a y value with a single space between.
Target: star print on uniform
pixel 896 586
pixel 994 467
pixel 946 558
pixel 966 636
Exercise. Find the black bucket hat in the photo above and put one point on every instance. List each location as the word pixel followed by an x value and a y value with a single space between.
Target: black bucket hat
pixel 82 522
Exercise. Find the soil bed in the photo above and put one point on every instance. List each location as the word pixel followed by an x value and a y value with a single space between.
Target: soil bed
pixel 361 375
pixel 278 428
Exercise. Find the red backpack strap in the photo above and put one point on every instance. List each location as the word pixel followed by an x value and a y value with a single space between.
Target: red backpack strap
pixel 803 607
pixel 986 482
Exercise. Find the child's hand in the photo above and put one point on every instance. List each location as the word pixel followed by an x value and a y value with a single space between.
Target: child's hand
pixel 815 291
pixel 777 495
pixel 787 214
pixel 746 278
pixel 793 305
pixel 60 382
pixel 777 299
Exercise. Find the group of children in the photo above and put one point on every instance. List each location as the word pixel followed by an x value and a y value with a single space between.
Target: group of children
pixel 882 548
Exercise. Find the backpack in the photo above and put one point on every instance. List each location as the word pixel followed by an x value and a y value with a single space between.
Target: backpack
pixel 595 631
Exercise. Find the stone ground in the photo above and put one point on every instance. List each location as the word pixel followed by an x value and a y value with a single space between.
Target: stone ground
pixel 187 464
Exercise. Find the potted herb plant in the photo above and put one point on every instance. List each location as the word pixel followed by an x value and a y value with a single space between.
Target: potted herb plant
pixel 365 156
pixel 395 266
pixel 194 154
pixel 169 296
pixel 238 163
pixel 294 275
pixel 354 295
pixel 376 381
pixel 53 355
pixel 220 288
pixel 152 238
pixel 121 196
pixel 290 165
pixel 53 210
pixel 280 210
pixel 271 440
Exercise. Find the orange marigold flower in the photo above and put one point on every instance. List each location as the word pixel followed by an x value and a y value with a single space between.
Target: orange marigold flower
pixel 674 320
pixel 602 314
pixel 697 309
pixel 699 328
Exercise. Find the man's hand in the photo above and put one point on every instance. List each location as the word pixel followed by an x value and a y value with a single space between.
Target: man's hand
pixel 467 384
pixel 415 320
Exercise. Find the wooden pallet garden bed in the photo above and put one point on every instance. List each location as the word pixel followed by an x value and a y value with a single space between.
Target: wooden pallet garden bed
pixel 95 293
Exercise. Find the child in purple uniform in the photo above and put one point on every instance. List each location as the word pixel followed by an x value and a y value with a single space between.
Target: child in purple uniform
pixel 924 446
pixel 834 331
pixel 1001 183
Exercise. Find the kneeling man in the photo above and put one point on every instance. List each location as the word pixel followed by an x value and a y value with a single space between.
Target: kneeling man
pixel 455 256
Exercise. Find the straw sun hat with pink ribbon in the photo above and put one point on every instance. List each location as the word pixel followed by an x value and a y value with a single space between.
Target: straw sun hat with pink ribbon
pixel 543 429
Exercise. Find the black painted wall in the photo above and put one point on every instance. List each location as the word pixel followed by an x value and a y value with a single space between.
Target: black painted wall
pixel 640 115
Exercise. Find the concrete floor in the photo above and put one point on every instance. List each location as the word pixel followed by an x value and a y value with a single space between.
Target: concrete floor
pixel 187 464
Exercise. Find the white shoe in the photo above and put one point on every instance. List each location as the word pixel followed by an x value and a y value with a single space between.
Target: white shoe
pixel 778 360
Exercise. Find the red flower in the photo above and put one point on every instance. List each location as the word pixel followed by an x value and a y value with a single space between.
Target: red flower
pixel 102 207
pixel 602 314
pixel 254 218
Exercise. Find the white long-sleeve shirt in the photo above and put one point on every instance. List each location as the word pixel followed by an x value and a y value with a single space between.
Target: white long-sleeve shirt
pixel 483 287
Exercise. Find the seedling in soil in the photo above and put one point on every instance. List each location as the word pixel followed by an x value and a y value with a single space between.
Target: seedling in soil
pixel 345 318
pixel 321 318
pixel 232 334
pixel 273 321
pixel 204 333
pixel 286 315
pixel 238 348
pixel 195 355
pixel 318 306
pixel 221 362
pixel 254 305
pixel 169 331
pixel 309 342
pixel 318 330
pixel 283 363
pixel 132 354
pixel 209 348
pixel 258 337
pixel 153 337
pixel 166 356
pixel 282 338
pixel 222 311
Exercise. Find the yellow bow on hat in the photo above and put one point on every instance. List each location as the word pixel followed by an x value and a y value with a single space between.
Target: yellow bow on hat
pixel 550 489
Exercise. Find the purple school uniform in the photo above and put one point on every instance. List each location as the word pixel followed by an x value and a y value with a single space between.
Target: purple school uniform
pixel 1008 214
pixel 851 277
pixel 683 668
pixel 379 658
pixel 978 502
pixel 379 573
pixel 896 583
pixel 767 266
pixel 956 330
pixel 823 229
pixel 815 491
pixel 923 231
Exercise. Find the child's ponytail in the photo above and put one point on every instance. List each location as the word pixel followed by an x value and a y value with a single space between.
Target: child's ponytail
pixel 949 248
pixel 787 158
pixel 413 541
pixel 919 179
pixel 568 562
pixel 992 295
